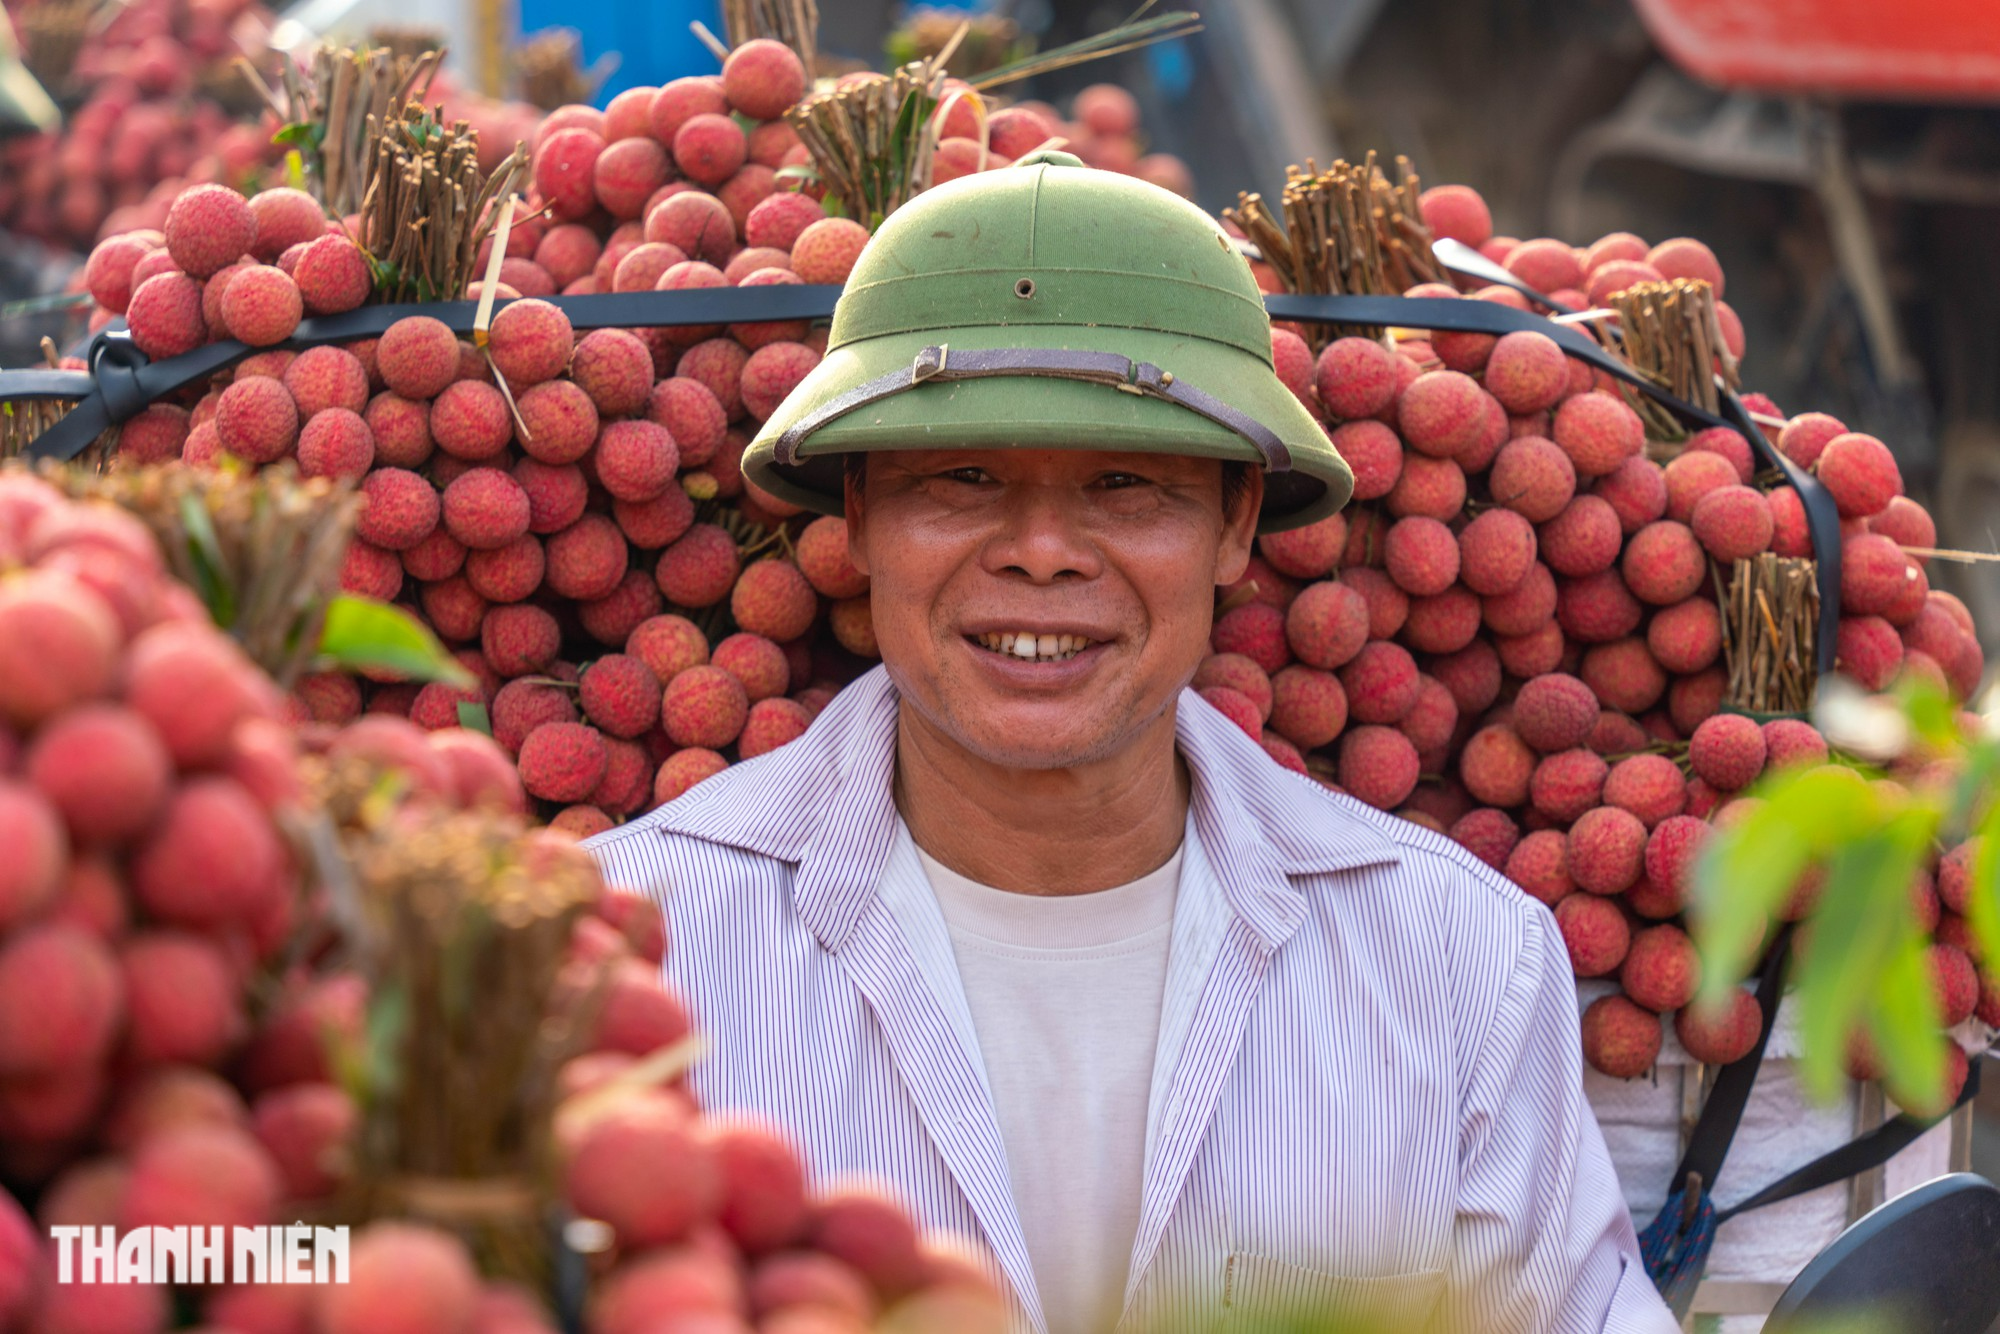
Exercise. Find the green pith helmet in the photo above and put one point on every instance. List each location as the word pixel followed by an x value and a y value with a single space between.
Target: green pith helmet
pixel 1051 306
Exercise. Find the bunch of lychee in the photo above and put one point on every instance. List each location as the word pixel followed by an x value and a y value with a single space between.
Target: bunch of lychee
pixel 1103 130
pixel 222 266
pixel 1513 634
pixel 148 773
pixel 147 124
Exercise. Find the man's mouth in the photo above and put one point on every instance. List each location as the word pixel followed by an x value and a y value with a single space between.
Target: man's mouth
pixel 1029 647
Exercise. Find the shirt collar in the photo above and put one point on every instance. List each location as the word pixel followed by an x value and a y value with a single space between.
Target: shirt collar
pixel 825 802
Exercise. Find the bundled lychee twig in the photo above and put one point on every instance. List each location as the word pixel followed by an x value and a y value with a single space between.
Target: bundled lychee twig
pixel 793 22
pixel 22 421
pixel 989 40
pixel 460 920
pixel 1346 231
pixel 1672 336
pixel 332 109
pixel 262 549
pixel 550 72
pixel 427 205
pixel 406 41
pixel 872 142
pixel 1770 616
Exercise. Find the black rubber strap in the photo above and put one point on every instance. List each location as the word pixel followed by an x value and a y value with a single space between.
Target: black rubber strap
pixel 1715 1129
pixel 1856 1156
pixel 938 364
pixel 124 381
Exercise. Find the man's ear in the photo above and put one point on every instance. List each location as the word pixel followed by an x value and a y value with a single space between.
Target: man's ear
pixel 850 494
pixel 1239 530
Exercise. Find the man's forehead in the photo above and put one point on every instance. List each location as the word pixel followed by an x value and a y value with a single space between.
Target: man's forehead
pixel 1080 461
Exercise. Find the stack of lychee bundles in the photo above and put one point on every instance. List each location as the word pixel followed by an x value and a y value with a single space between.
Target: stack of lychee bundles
pixel 1512 635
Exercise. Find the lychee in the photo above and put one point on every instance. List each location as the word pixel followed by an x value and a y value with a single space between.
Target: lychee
pixel 1539 865
pixel 1860 472
pixel 1422 555
pixel 530 341
pixel 1727 751
pixel 704 706
pixel 1583 539
pixel 1496 552
pixel 403 1278
pixel 418 356
pixel 1722 1035
pixel 1606 848
pixel 105 770
pixel 1598 432
pixel 1595 932
pixel 1620 1039
pixel 1457 212
pixel 1442 413
pixel 165 316
pixel 518 639
pixel 683 770
pixel 1327 624
pixel 1428 487
pixel 1663 563
pixel 209 226
pixel 562 761
pixel 1732 523
pixel 1532 477
pixel 825 251
pixel 262 306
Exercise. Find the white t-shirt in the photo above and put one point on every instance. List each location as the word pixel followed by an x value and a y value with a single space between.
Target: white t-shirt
pixel 1065 994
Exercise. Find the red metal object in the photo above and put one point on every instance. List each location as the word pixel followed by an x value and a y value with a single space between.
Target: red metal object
pixel 1926 50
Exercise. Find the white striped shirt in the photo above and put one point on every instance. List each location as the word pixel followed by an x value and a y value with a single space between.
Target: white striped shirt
pixel 1368 1095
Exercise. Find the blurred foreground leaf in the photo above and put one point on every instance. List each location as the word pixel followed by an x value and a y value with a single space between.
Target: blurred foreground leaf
pixel 365 636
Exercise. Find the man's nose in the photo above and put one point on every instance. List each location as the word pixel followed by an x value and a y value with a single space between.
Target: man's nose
pixel 1044 534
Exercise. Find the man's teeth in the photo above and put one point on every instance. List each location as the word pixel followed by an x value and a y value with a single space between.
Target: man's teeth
pixel 1040 648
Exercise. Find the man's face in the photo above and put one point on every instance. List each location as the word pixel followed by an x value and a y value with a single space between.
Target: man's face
pixel 1109 561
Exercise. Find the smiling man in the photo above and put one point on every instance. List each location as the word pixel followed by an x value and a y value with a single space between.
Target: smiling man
pixel 1026 931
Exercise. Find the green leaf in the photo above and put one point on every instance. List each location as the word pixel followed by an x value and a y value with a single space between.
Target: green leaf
pixel 299 134
pixel 210 570
pixel 1863 922
pixel 798 171
pixel 1982 893
pixel 745 123
pixel 473 717
pixel 1902 1021
pixel 365 636
pixel 1746 873
pixel 1931 714
pixel 388 1020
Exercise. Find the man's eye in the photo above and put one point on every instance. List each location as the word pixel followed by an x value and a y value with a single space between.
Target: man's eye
pixel 970 476
pixel 1120 480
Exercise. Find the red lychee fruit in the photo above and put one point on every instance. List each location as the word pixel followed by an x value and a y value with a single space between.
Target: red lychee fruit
pixel 1546 265
pixel 399 509
pixel 709 148
pixel 771 373
pixel 1308 706
pixel 208 227
pixel 1619 1038
pixel 770 724
pixel 1686 637
pixel 1663 563
pixel 1607 846
pixel 181 999
pixel 518 639
pixel 1806 435
pixel 1422 556
pixel 1526 608
pixel 485 509
pixel 257 420
pixel 1555 712
pixel 306 1129
pixel 68 980
pixel 1374 454
pixel 332 276
pixel 772 598
pixel 1442 413
pixel 700 569
pixel 563 761
pixel 165 316
pixel 587 560
pixel 1377 765
pixel 1598 432
pixel 1595 931
pixel 1487 834
pixel 704 706
pixel 1496 766
pixel 1685 257
pixel 1458 212
pixel 1327 624
pixel 32 831
pixel 1662 971
pixel 322 378
pixel 1532 477
pixel 826 250
pixel 1721 1036
pixel 1727 751
pixel 762 77
pixel 1496 551
pixel 1868 649
pixel 1355 378
pixel 755 661
pixel 683 770
pixel 403 1278
pixel 418 356
pixel 1429 488
pixel 1526 371
pixel 200 1175
pixel 105 770
pixel 1732 523
pixel 261 306
pixel 194 686
pixel 1381 684
pixel 530 341
pixel 621 695
pixel 1860 472
pixel 1583 539
pixel 1874 573
pixel 615 369
pixel 643 1169
pixel 1539 865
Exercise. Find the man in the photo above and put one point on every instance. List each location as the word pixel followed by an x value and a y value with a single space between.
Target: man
pixel 1022 927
